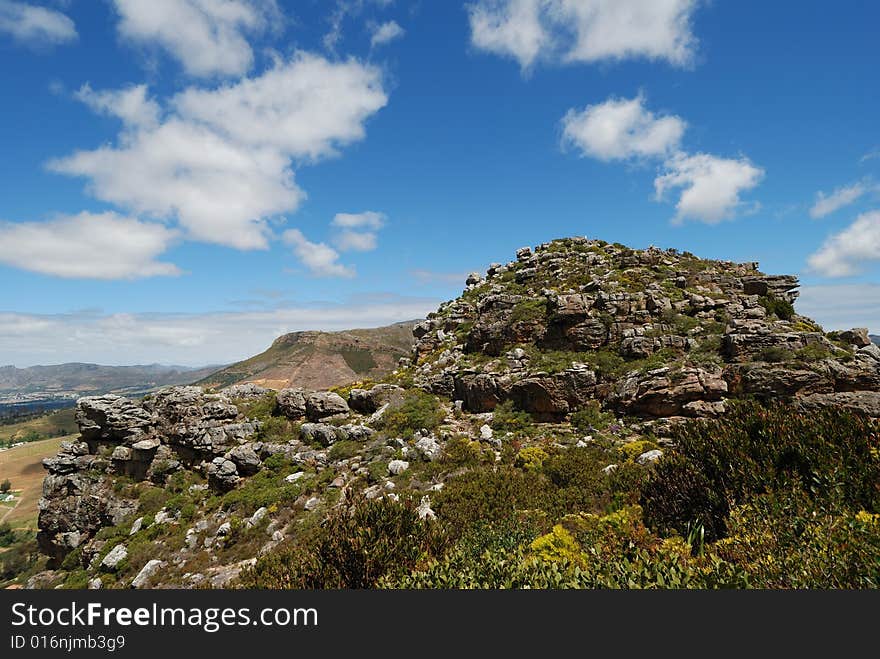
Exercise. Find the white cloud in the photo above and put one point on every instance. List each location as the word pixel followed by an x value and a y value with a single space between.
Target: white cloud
pixel 221 160
pixel 844 253
pixel 357 231
pixel 208 37
pixel 842 306
pixel 386 33
pixel 130 104
pixel 711 186
pixel 511 28
pixel 584 30
pixel 842 196
pixel 88 246
pixel 366 220
pixel 870 155
pixel 189 339
pixel 621 128
pixel 35 26
pixel 320 259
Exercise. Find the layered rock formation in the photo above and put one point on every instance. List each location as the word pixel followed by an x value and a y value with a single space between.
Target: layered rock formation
pixel 654 337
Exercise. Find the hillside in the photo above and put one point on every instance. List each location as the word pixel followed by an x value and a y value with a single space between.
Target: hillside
pixel 585 416
pixel 320 360
pixel 72 380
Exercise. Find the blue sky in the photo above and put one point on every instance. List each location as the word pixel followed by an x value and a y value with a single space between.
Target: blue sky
pixel 184 180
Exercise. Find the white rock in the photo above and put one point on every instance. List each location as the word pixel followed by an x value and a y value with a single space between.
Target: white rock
pixel 147 572
pixel 312 503
pixel 393 496
pixel 424 510
pixel 192 538
pixel 118 554
pixel 278 536
pixel 610 469
pixel 649 456
pixel 256 517
pixel 486 432
pixel 95 584
pixel 164 516
pixel 389 485
pixel 224 529
pixel 429 448
pixel 397 467
pixel 293 478
pixel 138 523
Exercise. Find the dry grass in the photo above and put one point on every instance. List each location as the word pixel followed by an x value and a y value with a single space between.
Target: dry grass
pixel 22 466
pixel 47 425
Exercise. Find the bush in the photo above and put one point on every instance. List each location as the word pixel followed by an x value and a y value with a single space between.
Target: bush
pixel 355 548
pixel 591 417
pixel 506 418
pixel 7 535
pixel 776 354
pixel 5 486
pixel 782 309
pixel 832 454
pixel 417 410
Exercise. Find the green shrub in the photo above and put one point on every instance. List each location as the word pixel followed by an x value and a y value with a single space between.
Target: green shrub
pixel 529 310
pixel 782 309
pixel 417 410
pixel 832 454
pixel 8 536
pixel 591 417
pixel 355 548
pixel 506 418
pixel 5 486
pixel 775 355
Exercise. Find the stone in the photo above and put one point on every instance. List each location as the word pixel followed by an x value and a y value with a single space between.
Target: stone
pixel 369 401
pixel 114 557
pixel 322 404
pixel 649 456
pixel 866 402
pixel 291 403
pixel 486 432
pixel 246 391
pixel 136 526
pixel 320 433
pixel 224 529
pixel 95 584
pixel 396 467
pixel 428 448
pixel 257 517
pixel 246 459
pixel 312 503
pixel 147 572
pixel 424 510
pixel 857 336
pixel 222 474
pixel 293 478
pixel 111 418
pixel 610 469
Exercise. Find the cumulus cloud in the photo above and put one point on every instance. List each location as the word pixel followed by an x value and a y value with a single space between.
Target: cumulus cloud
pixel 88 246
pixel 711 186
pixel 319 258
pixel 130 104
pixel 189 339
pixel 624 129
pixel 220 161
pixel 845 253
pixel 357 231
pixel 385 33
pixel 208 37
pixel 584 30
pixel 35 26
pixel 621 128
pixel 841 197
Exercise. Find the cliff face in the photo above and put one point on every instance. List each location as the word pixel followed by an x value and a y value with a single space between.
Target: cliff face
pixel 654 337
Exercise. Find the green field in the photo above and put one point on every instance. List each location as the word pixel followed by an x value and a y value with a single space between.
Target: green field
pixel 55 424
pixel 23 467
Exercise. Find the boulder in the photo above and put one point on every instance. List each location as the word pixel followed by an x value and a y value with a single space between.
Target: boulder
pixel 291 403
pixel 321 404
pixel 321 433
pixel 246 459
pixel 147 572
pixel 114 557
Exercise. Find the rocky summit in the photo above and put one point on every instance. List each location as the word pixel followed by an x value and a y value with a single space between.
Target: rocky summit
pixel 575 345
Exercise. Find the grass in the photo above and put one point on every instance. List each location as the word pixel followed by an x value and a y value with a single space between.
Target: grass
pixel 56 424
pixel 22 466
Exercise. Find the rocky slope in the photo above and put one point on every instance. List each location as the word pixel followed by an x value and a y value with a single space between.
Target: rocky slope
pixel 597 342
pixel 319 360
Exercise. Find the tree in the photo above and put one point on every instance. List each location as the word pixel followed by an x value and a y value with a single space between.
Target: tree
pixel 5 486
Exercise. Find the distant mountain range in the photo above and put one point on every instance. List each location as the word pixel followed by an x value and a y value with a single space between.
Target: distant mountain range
pixel 875 338
pixel 75 379
pixel 320 360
